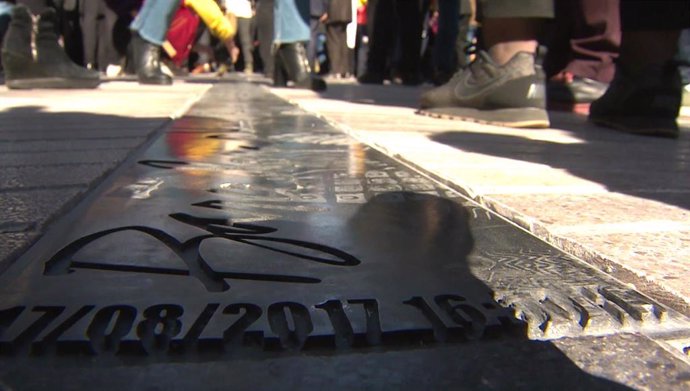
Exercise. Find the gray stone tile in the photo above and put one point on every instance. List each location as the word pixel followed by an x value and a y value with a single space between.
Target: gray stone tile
pixel 13 244
pixel 35 205
pixel 63 157
pixel 49 176
pixel 69 145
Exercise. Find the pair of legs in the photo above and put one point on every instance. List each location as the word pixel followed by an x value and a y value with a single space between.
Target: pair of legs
pixel 644 97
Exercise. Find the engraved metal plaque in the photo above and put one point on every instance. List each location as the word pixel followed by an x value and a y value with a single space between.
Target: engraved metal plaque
pixel 268 233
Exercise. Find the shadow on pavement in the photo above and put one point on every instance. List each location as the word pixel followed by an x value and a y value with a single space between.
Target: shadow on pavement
pixel 651 168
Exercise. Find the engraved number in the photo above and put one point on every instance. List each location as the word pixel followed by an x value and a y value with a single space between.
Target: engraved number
pixel 440 329
pixel 160 325
pixel 233 335
pixel 109 325
pixel 278 319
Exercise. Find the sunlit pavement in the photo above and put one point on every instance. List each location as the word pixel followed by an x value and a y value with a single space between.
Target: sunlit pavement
pixel 398 207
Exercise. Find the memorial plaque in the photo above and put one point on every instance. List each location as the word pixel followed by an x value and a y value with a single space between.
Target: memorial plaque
pixel 267 234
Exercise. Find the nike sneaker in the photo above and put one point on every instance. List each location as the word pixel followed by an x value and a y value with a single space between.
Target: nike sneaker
pixel 510 95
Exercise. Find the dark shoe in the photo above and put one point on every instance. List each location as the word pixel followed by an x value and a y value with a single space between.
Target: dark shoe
pixel 292 64
pixel 370 78
pixel 509 95
pixel 147 62
pixel 17 59
pixel 567 92
pixel 410 79
pixel 52 68
pixel 53 60
pixel 646 103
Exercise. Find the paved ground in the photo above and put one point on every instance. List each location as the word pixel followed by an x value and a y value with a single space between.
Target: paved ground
pixel 619 203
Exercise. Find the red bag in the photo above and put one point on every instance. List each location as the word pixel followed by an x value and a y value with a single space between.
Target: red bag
pixel 362 14
pixel 182 33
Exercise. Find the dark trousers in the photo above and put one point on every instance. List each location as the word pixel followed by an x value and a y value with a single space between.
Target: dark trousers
pixel 338 52
pixel 445 58
pixel 513 8
pixel 395 24
pixel 264 32
pixel 640 15
pixel 244 36
pixel 584 39
pixel 97 25
pixel 36 6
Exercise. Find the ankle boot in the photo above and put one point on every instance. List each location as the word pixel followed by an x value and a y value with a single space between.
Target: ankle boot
pixel 280 77
pixel 53 60
pixel 21 71
pixel 292 58
pixel 147 61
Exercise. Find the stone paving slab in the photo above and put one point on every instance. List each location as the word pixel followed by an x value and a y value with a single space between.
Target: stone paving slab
pixel 55 145
pixel 617 201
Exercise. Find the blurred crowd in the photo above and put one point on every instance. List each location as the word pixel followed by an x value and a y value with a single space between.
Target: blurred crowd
pixel 564 54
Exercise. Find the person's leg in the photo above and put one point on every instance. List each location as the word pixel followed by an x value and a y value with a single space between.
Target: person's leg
pixel 51 68
pixel 410 19
pixel 591 41
pixel 645 95
pixel 35 6
pixel 583 42
pixel 149 30
pixel 445 59
pixel 89 28
pixel 336 42
pixel 5 12
pixel 381 27
pixel 314 25
pixel 153 20
pixel 106 45
pixel 245 37
pixel 264 32
pixel 503 85
pixel 291 21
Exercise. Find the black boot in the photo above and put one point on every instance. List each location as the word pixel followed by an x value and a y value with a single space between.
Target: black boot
pixel 292 59
pixel 23 72
pixel 147 61
pixel 280 76
pixel 53 70
pixel 53 60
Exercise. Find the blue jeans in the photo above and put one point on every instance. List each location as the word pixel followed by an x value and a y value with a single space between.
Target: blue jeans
pixel 291 21
pixel 154 19
pixel 5 8
pixel 5 12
